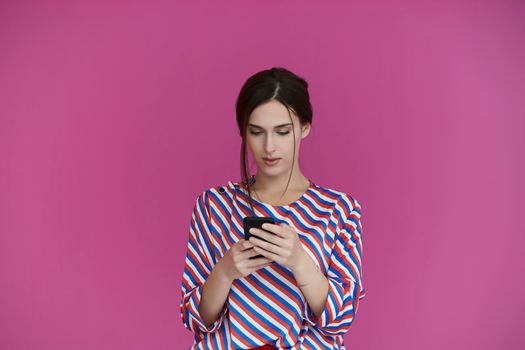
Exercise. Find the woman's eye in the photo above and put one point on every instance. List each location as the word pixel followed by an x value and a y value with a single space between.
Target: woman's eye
pixel 279 132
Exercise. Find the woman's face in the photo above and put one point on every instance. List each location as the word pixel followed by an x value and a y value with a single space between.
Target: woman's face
pixel 269 135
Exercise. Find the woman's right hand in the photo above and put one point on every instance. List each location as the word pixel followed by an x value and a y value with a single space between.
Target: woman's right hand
pixel 236 262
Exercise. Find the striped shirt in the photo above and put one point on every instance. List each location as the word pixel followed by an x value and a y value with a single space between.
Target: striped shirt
pixel 267 306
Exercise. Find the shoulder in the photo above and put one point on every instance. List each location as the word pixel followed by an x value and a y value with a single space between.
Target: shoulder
pixel 346 210
pixel 341 200
pixel 223 189
pixel 219 192
pixel 350 202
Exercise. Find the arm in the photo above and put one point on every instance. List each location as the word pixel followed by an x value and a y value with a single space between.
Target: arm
pixel 198 269
pixel 234 264
pixel 205 285
pixel 313 284
pixel 343 277
pixel 331 300
pixel 214 294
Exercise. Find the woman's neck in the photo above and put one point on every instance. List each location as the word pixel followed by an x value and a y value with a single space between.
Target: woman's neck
pixel 277 185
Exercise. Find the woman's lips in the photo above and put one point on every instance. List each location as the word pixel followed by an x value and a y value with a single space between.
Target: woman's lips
pixel 271 161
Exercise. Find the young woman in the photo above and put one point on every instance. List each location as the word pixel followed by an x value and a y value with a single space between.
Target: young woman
pixel 304 288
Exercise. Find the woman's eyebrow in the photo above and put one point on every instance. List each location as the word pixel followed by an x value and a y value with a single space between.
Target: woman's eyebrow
pixel 276 127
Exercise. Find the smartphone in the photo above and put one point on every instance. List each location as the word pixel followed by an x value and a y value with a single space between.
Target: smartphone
pixel 257 222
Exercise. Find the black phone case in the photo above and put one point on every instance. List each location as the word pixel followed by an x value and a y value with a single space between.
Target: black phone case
pixel 257 222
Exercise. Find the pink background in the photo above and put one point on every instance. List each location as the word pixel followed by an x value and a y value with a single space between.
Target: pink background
pixel 115 115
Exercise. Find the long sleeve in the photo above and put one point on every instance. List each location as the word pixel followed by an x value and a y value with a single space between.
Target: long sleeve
pixel 345 288
pixel 197 267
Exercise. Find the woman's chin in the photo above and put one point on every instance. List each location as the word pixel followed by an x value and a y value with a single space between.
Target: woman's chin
pixel 270 172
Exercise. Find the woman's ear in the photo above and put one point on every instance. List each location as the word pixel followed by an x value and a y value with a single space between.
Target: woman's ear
pixel 305 130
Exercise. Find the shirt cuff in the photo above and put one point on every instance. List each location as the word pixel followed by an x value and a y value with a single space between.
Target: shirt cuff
pixel 195 319
pixel 334 311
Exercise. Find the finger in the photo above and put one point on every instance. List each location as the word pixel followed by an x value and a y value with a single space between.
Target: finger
pixel 279 230
pixel 258 262
pixel 270 237
pixel 267 246
pixel 245 245
pixel 257 267
pixel 267 254
pixel 270 227
pixel 248 253
pixel 263 265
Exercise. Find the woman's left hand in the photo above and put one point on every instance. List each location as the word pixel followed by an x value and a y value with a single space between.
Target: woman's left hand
pixel 283 244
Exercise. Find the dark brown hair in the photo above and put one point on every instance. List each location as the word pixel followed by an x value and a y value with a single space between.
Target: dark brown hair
pixel 277 84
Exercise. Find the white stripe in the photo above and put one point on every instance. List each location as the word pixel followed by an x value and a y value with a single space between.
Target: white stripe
pixel 273 288
pixel 324 212
pixel 240 310
pixel 242 330
pixel 284 329
pixel 194 268
pixel 201 235
pixel 333 196
pixel 320 336
pixel 346 269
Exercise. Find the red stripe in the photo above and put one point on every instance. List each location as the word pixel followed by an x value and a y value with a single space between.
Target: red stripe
pixel 266 327
pixel 240 337
pixel 230 211
pixel 275 317
pixel 292 300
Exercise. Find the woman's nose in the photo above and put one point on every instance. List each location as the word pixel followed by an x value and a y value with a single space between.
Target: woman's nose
pixel 269 145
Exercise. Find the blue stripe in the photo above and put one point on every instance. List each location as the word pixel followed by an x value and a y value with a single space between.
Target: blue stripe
pixel 328 193
pixel 316 337
pixel 298 221
pixel 217 233
pixel 188 282
pixel 285 287
pixel 317 222
pixel 309 343
pixel 203 208
pixel 201 236
pixel 342 259
pixel 194 263
pixel 269 309
pixel 331 192
pixel 350 206
pixel 215 341
pixel 223 331
pixel 240 299
pixel 238 214
pixel 333 303
pixel 291 215
pixel 357 248
pixel 313 206
pixel 278 297
pixel 219 202
pixel 241 334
